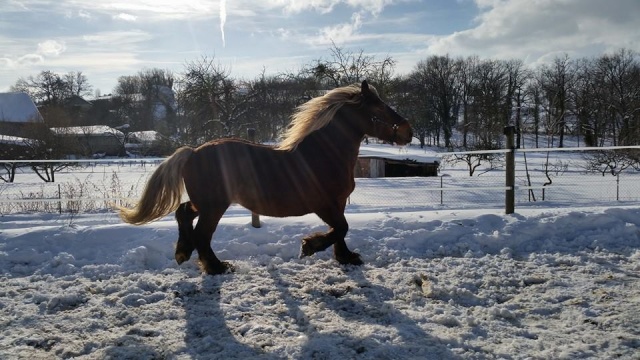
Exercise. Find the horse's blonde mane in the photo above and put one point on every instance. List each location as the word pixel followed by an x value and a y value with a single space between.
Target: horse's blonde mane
pixel 317 113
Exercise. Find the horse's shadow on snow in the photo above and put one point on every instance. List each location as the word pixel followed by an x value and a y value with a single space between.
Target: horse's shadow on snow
pixel 208 335
pixel 364 303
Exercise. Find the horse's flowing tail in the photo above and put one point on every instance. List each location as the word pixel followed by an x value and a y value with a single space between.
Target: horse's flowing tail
pixel 163 192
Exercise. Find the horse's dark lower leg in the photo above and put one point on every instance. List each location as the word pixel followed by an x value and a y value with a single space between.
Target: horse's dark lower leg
pixel 185 246
pixel 206 226
pixel 345 256
pixel 339 228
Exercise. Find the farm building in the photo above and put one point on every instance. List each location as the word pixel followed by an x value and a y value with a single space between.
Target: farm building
pixel 92 140
pixel 13 147
pixel 148 143
pixel 388 161
pixel 18 114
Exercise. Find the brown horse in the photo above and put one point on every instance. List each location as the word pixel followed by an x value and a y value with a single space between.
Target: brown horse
pixel 310 171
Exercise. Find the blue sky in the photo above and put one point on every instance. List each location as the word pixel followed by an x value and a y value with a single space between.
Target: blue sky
pixel 110 38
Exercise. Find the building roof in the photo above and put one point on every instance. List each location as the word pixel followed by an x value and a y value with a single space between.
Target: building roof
pixel 146 136
pixel 17 107
pixel 75 100
pixel 397 153
pixel 95 130
pixel 13 140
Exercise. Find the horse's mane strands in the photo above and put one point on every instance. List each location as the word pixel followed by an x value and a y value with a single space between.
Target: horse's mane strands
pixel 317 113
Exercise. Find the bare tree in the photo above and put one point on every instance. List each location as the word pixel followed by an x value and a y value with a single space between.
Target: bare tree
pixel 438 78
pixel 517 78
pixel 620 74
pixel 612 161
pixel 275 100
pixel 486 111
pixel 556 81
pixel 78 84
pixel 468 84
pixel 474 160
pixel 139 96
pixel 47 88
pixel 45 145
pixel 408 98
pixel 213 104
pixel 12 149
pixel 347 67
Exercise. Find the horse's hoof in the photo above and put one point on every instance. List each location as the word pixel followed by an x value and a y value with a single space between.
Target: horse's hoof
pixel 182 257
pixel 306 249
pixel 350 259
pixel 313 244
pixel 220 268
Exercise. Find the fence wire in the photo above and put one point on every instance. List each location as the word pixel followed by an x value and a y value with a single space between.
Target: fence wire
pixel 99 186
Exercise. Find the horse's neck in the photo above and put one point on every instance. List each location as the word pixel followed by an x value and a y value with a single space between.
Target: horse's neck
pixel 337 141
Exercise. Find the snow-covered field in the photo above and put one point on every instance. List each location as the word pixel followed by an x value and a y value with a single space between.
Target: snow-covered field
pixel 548 282
pixel 554 283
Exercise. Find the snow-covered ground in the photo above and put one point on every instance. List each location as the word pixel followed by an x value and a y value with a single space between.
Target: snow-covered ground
pixel 559 279
pixel 541 283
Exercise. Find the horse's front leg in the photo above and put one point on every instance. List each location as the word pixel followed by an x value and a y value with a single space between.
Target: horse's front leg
pixel 345 256
pixel 185 246
pixel 335 236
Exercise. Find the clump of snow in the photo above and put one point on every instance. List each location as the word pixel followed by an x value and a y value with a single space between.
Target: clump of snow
pixel 542 283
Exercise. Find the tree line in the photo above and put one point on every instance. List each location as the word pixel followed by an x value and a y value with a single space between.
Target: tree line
pixel 596 98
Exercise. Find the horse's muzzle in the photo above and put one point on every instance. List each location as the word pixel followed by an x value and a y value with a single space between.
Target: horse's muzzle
pixel 404 134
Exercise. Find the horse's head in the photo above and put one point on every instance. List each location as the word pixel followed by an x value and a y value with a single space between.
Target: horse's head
pixel 382 121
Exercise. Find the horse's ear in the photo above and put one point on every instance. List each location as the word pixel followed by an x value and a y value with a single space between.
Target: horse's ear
pixel 364 89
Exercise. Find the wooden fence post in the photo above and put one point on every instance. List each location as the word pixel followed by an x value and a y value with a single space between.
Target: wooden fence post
pixel 510 171
pixel 255 218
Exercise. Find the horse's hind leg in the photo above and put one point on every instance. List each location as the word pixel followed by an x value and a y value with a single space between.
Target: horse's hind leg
pixel 185 246
pixel 206 226
pixel 335 236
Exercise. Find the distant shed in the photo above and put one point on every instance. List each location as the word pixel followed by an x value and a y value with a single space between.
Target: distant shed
pixel 13 147
pixel 147 143
pixel 373 163
pixel 97 139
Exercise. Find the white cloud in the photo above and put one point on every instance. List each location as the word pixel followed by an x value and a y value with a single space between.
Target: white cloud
pixel 6 63
pixel 153 10
pixel 51 48
pixel 373 6
pixel 125 17
pixel 534 29
pixel 326 6
pixel 295 7
pixel 30 59
pixel 84 14
pixel 109 39
pixel 96 60
pixel 341 33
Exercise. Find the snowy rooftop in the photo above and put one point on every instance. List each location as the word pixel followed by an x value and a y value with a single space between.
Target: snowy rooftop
pixel 86 130
pixel 12 140
pixel 17 107
pixel 409 152
pixel 146 136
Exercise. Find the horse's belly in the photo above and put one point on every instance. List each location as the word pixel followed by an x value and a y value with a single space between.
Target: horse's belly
pixel 291 200
pixel 279 204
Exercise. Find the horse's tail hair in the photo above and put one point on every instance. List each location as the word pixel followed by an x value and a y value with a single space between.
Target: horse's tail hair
pixel 163 192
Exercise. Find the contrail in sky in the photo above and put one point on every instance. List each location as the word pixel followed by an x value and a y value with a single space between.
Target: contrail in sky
pixel 223 19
